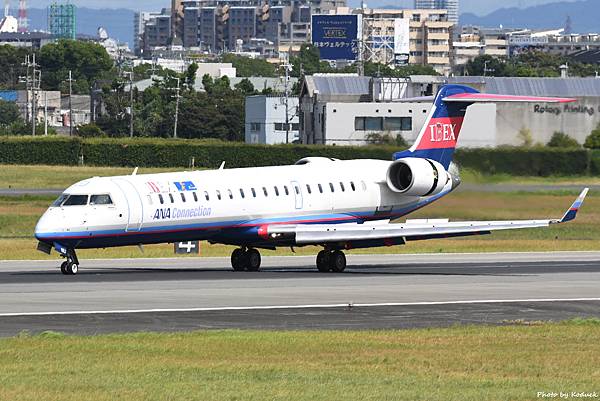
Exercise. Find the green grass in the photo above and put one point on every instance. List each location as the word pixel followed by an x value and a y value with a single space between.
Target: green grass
pixel 60 177
pixel 18 216
pixel 458 363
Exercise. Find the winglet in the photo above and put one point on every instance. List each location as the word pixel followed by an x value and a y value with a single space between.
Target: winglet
pixel 572 212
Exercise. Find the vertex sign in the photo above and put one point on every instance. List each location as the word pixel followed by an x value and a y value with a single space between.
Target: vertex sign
pixel 336 36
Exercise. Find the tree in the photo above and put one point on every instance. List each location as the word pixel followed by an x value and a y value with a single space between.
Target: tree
pixel 593 140
pixel 525 137
pixel 190 75
pixel 249 67
pixel 90 131
pixel 308 62
pixel 562 140
pixel 88 62
pixel 245 87
pixel 9 113
pixel 486 65
pixel 11 58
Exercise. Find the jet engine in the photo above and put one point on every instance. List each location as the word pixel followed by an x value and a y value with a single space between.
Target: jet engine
pixel 417 177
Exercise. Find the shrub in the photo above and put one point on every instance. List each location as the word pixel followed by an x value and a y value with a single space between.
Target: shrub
pixel 562 140
pixel 525 137
pixel 90 131
pixel 593 140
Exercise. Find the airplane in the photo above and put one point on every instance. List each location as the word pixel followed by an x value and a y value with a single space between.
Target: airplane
pixel 335 204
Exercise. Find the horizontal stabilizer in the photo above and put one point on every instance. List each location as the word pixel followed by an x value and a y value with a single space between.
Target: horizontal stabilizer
pixel 493 98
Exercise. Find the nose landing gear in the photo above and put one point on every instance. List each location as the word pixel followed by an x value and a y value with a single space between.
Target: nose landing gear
pixel 71 265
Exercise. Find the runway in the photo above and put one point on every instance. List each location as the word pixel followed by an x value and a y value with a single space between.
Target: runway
pixel 377 291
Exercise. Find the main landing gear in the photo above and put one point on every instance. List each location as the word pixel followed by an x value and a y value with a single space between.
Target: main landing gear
pixel 71 265
pixel 244 259
pixel 331 261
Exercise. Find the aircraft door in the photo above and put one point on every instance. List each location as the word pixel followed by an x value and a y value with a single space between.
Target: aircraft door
pixel 297 190
pixel 135 206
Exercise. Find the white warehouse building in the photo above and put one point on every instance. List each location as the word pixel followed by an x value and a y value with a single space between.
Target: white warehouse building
pixel 265 120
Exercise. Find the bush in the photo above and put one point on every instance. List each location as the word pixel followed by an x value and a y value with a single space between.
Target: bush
pixel 562 140
pixel 90 131
pixel 593 140
pixel 146 152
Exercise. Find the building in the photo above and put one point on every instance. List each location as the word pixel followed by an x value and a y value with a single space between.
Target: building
pixel 33 40
pixel 266 119
pixel 347 110
pixel 157 31
pixel 475 41
pixel 430 35
pixel 451 5
pixel 139 23
pixel 554 42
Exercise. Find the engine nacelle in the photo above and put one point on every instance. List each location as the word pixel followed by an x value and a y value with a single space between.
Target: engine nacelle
pixel 417 177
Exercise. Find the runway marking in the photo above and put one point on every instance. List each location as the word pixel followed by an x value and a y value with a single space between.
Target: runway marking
pixel 275 307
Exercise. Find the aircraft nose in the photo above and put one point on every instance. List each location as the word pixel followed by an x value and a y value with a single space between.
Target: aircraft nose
pixel 43 226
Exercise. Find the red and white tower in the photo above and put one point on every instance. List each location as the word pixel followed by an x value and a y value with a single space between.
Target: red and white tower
pixel 23 21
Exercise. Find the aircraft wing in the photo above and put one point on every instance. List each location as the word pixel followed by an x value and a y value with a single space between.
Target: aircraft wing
pixel 306 234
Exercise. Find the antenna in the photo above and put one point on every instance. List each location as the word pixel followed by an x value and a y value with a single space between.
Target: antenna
pixel 6 8
pixel 23 21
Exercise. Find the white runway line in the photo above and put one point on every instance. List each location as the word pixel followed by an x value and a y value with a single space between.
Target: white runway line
pixel 275 307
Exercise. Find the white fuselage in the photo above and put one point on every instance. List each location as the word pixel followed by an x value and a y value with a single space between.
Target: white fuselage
pixel 225 206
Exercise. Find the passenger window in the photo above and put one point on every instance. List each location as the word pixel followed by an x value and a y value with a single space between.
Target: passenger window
pixel 276 190
pixel 206 196
pixel 364 186
pixel 320 188
pixel 160 198
pixel 195 197
pixel 230 194
pixel 102 200
pixel 265 191
pixel 218 194
pixel 149 199
pixel 297 189
pixel 242 193
pixel 308 189
pixel 182 197
pixel 253 192
pixel 331 187
pixel 287 192
pixel 171 197
pixel 352 186
pixel 342 186
pixel 76 200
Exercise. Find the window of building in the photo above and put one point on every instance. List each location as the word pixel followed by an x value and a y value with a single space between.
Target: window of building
pixel 279 127
pixel 254 127
pixel 398 124
pixel 359 123
pixel 368 123
pixel 416 17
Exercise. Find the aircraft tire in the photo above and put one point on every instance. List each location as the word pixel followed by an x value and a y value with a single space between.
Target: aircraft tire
pixel 337 261
pixel 323 261
pixel 63 268
pixel 72 268
pixel 237 260
pixel 253 260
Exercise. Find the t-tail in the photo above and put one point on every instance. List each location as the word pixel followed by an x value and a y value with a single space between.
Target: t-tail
pixel 439 135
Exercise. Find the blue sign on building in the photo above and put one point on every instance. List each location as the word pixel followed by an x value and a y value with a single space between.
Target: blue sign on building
pixel 336 36
pixel 8 96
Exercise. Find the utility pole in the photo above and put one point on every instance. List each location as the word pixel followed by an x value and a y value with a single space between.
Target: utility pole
pixel 486 69
pixel 32 83
pixel 177 97
pixel 70 103
pixel 130 73
pixel 287 68
pixel 25 79
pixel 45 113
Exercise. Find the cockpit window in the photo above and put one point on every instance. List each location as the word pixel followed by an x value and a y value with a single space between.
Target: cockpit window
pixel 60 200
pixel 76 200
pixel 100 200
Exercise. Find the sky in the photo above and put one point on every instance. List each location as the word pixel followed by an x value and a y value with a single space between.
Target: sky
pixel 480 7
